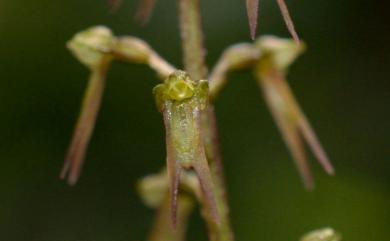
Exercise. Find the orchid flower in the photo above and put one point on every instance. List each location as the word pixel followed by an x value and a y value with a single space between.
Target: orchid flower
pixel 278 54
pixel 181 101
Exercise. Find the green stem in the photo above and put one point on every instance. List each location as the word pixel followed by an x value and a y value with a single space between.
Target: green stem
pixel 193 50
pixel 192 38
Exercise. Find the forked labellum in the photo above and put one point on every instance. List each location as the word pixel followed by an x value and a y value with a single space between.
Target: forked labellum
pixel 181 101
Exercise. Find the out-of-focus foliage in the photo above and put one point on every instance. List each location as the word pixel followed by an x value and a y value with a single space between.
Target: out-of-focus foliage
pixel 325 234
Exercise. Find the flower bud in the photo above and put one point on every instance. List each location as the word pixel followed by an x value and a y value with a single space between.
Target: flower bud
pixel 92 45
pixel 325 234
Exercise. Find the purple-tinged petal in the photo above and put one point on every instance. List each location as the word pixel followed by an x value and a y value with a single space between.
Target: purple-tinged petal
pixel 85 125
pixel 173 166
pixel 315 145
pixel 287 19
pixel 202 170
pixel 285 116
pixel 252 9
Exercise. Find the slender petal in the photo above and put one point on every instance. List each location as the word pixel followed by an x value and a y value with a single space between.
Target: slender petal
pixel 294 143
pixel 315 144
pixel 144 11
pixel 286 119
pixel 173 167
pixel 288 20
pixel 252 9
pixel 307 131
pixel 85 125
pixel 202 169
pixel 286 111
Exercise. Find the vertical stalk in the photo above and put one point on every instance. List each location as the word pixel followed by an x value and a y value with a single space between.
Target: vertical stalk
pixel 194 63
pixel 192 38
pixel 223 232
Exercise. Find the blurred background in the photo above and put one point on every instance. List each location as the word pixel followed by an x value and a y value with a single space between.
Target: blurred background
pixel 342 83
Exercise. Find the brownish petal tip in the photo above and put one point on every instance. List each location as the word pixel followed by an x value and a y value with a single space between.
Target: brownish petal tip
pixel 252 9
pixel 174 195
pixel 144 11
pixel 315 145
pixel 287 19
pixel 203 172
pixel 74 161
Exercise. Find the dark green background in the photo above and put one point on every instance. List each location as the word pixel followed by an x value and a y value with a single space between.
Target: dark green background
pixel 342 83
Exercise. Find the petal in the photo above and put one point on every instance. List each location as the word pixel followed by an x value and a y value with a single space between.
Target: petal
pixel 286 119
pixel 315 145
pixel 202 170
pixel 252 9
pixel 173 166
pixel 308 133
pixel 84 127
pixel 287 19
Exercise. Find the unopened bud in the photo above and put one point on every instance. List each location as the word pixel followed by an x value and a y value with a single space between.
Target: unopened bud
pixel 92 45
pixel 325 234
pixel 153 189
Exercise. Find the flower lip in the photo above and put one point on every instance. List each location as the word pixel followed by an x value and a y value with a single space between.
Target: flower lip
pixel 179 90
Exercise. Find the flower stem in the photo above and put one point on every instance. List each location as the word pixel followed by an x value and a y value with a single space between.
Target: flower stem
pixel 192 38
pixel 193 51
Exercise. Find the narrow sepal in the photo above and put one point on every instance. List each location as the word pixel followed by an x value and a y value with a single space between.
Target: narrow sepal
pixel 144 11
pixel 287 19
pixel 252 9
